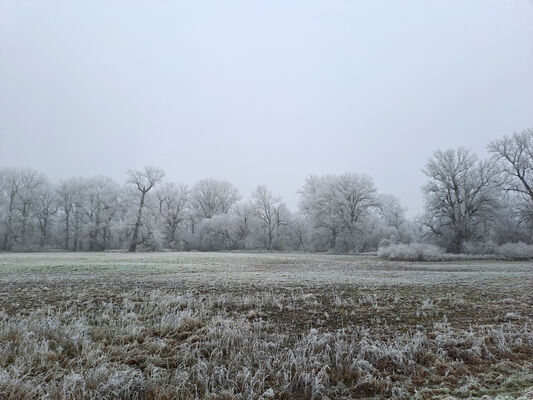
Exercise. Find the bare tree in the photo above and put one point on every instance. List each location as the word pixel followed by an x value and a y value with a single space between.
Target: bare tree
pixel 31 182
pixel 393 215
pixel 338 204
pixel 173 203
pixel 101 205
pixel 515 154
pixel 270 211
pixel 461 196
pixel 300 227
pixel 80 187
pixel 144 181
pixel 66 192
pixel 210 197
pixel 46 206
pixel 243 214
pixel 10 190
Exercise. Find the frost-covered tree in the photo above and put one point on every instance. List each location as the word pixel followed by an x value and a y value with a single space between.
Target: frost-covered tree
pixel 144 181
pixel 272 214
pixel 80 189
pixel 210 197
pixel 509 226
pixel 31 182
pixel 219 232
pixel 461 197
pixel 46 207
pixel 338 206
pixel 392 213
pixel 102 208
pixel 515 154
pixel 67 192
pixel 301 228
pixel 173 208
pixel 151 234
pixel 243 215
pixel 10 179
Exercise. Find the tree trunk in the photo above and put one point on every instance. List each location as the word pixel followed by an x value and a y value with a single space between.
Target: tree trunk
pixel 135 237
pixel 67 229
pixel 7 237
pixel 24 223
pixel 44 236
pixel 76 229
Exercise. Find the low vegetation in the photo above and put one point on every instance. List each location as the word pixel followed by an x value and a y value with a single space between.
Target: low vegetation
pixel 483 251
pixel 263 326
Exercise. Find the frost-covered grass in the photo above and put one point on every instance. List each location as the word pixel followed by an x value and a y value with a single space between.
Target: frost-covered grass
pixel 262 326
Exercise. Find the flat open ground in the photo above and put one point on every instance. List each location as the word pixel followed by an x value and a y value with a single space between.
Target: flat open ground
pixel 269 326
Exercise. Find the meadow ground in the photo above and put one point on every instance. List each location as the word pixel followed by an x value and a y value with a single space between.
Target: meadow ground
pixel 262 326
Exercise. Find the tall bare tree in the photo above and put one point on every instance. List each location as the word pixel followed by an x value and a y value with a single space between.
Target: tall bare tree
pixel 31 182
pixel 515 154
pixel 66 192
pixel 271 213
pixel 144 181
pixel 102 203
pixel 46 206
pixel 461 196
pixel 210 197
pixel 10 189
pixel 338 204
pixel 173 203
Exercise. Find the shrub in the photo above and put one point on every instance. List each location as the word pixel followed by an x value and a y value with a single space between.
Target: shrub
pixel 515 251
pixel 474 251
pixel 412 252
pixel 479 248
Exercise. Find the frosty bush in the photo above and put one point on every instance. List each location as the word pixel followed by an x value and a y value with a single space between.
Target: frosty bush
pixel 515 251
pixel 479 248
pixel 412 252
pixel 474 251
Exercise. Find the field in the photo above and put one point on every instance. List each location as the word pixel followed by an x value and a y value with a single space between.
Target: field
pixel 262 326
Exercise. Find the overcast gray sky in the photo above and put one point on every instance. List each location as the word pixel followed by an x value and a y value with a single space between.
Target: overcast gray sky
pixel 260 92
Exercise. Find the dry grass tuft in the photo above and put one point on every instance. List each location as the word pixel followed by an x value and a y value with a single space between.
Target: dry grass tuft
pixel 150 337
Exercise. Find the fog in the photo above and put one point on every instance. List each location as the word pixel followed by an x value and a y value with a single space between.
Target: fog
pixel 260 92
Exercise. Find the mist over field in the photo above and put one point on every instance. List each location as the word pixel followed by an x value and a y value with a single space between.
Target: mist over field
pixel 266 200
pixel 260 92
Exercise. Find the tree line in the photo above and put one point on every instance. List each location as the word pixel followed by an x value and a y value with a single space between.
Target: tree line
pixel 469 203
